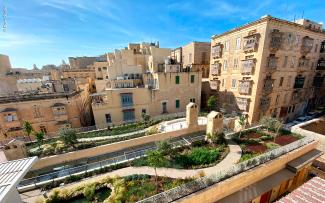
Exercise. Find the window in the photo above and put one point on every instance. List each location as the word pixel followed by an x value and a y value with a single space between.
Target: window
pixel 43 129
pixel 238 43
pixel 223 83
pixel 104 68
pixel 108 118
pixel 177 103
pixel 106 76
pixel 192 78
pixel 36 111
pixel 225 65
pixel 164 107
pixel 292 64
pixel 299 82
pixel 126 99
pixel 233 83
pixel 9 117
pixel 281 82
pixel 235 63
pixel 99 69
pixel 285 62
pixel 144 111
pixel 192 100
pixel 227 46
pixel 128 115
pixel 177 79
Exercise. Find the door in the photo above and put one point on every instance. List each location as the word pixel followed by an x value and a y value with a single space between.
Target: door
pixel 164 107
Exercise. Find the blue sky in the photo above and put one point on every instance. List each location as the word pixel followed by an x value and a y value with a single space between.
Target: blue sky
pixel 47 31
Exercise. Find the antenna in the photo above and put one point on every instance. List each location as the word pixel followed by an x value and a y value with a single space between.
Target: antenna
pixel 294 18
pixel 4 15
pixel 303 12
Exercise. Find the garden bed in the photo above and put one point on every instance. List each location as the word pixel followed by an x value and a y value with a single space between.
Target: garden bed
pixel 258 141
pixel 199 154
pixel 119 189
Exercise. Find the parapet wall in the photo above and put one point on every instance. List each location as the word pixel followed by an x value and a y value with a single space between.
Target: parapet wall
pixel 113 147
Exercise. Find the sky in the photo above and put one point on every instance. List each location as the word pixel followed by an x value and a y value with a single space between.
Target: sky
pixel 46 31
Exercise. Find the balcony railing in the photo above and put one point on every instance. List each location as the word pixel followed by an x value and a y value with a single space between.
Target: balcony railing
pixel 276 40
pixel 214 84
pixel 268 86
pixel 307 45
pixel 251 43
pixel 216 51
pixel 215 69
pixel 242 103
pixel 248 66
pixel 321 64
pixel 245 87
pixel 272 63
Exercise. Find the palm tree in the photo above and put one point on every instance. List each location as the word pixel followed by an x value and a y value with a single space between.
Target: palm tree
pixel 39 138
pixel 155 159
pixel 28 128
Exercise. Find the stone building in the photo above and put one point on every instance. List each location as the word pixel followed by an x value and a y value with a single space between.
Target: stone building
pixel 142 79
pixel 81 62
pixel 46 112
pixel 5 65
pixel 269 67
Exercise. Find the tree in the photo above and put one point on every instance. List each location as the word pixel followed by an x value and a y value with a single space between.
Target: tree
pixel 68 136
pixel 212 103
pixel 145 118
pixel 164 147
pixel 39 138
pixel 277 126
pixel 155 159
pixel 28 128
pixel 267 122
pixel 242 123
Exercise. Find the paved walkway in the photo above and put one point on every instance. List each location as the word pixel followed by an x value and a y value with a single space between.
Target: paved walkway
pixel 111 136
pixel 232 158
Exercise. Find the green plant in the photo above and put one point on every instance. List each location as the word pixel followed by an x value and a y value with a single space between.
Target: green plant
pixel 242 123
pixel 68 136
pixel 89 192
pixel 212 103
pixel 155 159
pixel 145 118
pixel 39 138
pixel 28 128
pixel 152 130
pixel 203 155
pixel 164 147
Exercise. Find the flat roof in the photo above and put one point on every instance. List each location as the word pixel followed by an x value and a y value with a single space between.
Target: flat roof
pixel 296 164
pixel 311 191
pixel 11 172
pixel 254 190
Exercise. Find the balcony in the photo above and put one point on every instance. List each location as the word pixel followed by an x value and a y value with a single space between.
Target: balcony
pixel 268 85
pixel 215 69
pixel 276 40
pixel 271 64
pixel 242 103
pixel 303 64
pixel 214 84
pixel 265 103
pixel 60 115
pixel 245 87
pixel 251 43
pixel 125 83
pixel 307 45
pixel 320 64
pixel 247 66
pixel 216 51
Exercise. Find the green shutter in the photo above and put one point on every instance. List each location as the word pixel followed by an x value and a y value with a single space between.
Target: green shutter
pixel 177 103
pixel 177 79
pixel 192 78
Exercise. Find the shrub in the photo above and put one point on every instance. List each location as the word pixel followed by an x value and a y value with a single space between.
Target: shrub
pixel 203 155
pixel 68 136
pixel 59 147
pixel 198 143
pixel 89 191
pixel 164 147
pixel 271 145
pixel 47 149
pixel 266 137
pixel 152 130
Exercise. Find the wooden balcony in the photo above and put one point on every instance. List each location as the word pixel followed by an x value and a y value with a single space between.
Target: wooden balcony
pixel 251 43
pixel 268 85
pixel 247 66
pixel 271 64
pixel 307 45
pixel 245 87
pixel 242 103
pixel 276 40
pixel 215 69
pixel 216 51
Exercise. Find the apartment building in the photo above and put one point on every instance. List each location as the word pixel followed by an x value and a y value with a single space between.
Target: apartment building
pixel 269 67
pixel 142 78
pixel 47 112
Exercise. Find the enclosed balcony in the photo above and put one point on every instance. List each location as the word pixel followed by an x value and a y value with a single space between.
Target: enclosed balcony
pixel 59 112
pixel 276 40
pixel 299 82
pixel 215 69
pixel 245 87
pixel 216 51
pixel 265 103
pixel 214 84
pixel 321 64
pixel 268 85
pixel 126 99
pixel 318 80
pixel 242 103
pixel 247 66
pixel 307 45
pixel 251 42
pixel 271 64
